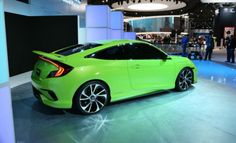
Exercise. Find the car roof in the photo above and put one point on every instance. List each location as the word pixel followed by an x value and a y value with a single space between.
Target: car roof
pixel 105 42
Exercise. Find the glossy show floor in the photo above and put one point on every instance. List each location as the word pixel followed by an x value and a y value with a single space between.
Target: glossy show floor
pixel 204 114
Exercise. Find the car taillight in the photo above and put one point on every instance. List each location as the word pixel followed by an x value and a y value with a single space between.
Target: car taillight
pixel 62 69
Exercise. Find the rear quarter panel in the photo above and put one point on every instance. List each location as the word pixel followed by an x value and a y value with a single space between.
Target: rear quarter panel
pixel 112 72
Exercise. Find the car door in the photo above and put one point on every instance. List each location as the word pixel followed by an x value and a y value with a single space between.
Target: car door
pixel 148 67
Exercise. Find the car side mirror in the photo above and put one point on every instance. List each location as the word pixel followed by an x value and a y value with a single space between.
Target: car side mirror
pixel 166 57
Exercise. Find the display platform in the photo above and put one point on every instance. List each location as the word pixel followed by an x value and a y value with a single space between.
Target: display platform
pixel 205 113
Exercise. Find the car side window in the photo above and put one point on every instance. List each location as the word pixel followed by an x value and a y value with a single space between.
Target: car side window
pixel 142 51
pixel 112 53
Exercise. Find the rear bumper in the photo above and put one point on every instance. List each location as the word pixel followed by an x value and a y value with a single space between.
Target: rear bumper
pixel 57 93
pixel 45 99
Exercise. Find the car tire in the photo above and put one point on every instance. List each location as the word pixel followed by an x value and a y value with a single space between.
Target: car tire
pixel 184 79
pixel 91 97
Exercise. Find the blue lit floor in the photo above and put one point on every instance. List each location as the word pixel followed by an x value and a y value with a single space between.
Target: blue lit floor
pixel 204 114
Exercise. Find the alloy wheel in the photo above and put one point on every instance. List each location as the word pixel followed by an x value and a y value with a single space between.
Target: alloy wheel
pixel 185 79
pixel 93 98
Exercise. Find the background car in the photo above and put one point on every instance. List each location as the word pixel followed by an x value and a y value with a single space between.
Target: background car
pixel 88 77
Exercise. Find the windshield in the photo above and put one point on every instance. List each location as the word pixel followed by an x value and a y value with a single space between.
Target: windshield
pixel 77 49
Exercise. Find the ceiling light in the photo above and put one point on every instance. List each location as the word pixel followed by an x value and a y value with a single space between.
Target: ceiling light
pixel 217 1
pixel 148 6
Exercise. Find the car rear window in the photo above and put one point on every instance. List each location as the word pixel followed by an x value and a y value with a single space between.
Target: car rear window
pixel 77 49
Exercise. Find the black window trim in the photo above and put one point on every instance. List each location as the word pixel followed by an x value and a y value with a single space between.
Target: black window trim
pixel 126 57
pixel 90 55
pixel 164 54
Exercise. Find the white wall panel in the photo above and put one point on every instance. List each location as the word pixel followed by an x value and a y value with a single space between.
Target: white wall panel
pixel 96 34
pixel 129 35
pixel 6 117
pixel 4 75
pixel 97 16
pixel 117 20
pixel 116 34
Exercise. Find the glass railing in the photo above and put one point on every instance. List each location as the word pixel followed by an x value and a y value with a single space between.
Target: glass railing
pixel 177 48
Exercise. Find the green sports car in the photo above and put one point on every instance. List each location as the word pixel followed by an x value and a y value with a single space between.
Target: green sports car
pixel 88 77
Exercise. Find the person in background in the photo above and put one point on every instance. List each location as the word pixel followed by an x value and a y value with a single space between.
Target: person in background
pixel 200 45
pixel 184 43
pixel 227 44
pixel 231 49
pixel 210 44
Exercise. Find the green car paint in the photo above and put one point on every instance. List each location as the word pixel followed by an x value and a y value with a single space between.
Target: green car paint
pixel 125 78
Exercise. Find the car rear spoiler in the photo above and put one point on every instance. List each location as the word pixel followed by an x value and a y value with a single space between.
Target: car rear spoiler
pixel 51 56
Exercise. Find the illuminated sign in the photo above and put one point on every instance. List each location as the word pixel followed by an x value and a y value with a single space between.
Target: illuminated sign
pixel 72 2
pixel 230 10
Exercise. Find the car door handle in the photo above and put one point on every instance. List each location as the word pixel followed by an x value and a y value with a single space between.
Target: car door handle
pixel 137 66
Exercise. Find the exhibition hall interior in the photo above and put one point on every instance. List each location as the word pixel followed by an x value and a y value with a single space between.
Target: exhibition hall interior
pixel 117 71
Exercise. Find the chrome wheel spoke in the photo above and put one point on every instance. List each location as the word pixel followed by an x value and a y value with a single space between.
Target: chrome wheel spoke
pixel 188 73
pixel 90 107
pixel 97 107
pixel 189 81
pixel 83 93
pixel 96 86
pixel 186 85
pixel 91 89
pixel 100 103
pixel 86 106
pixel 98 94
pixel 87 98
pixel 102 95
